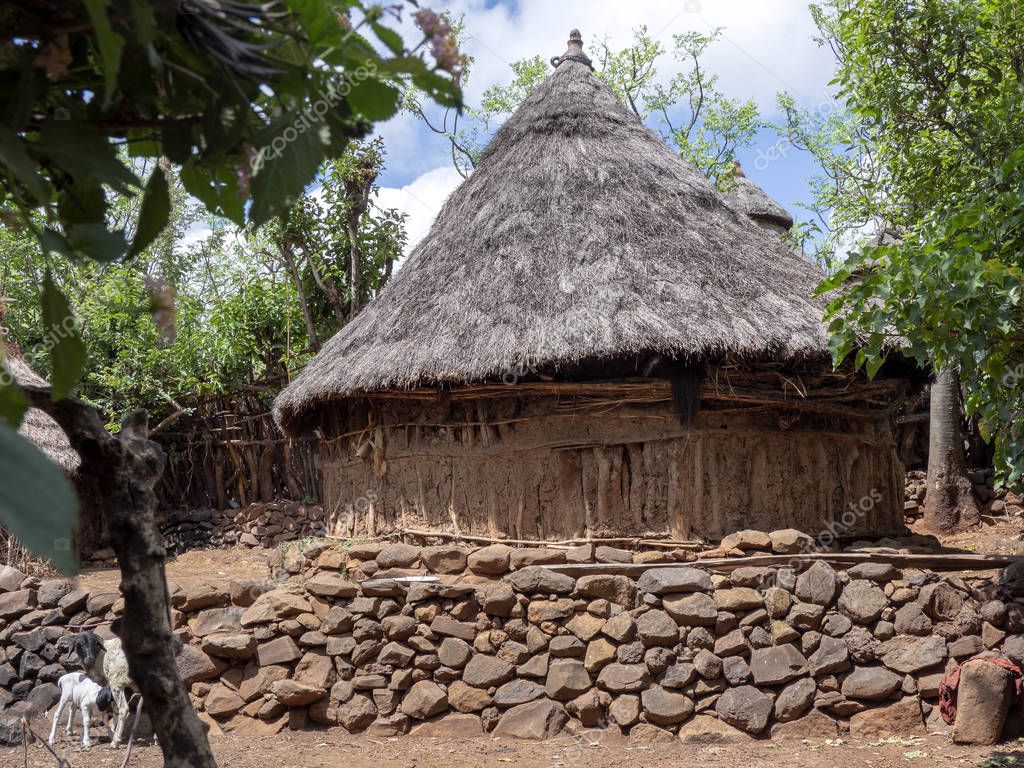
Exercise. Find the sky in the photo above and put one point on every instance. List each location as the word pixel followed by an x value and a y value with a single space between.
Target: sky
pixel 766 47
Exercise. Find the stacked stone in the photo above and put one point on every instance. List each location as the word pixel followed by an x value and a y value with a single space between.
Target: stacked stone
pixel 992 502
pixel 498 644
pixel 258 525
pixel 35 617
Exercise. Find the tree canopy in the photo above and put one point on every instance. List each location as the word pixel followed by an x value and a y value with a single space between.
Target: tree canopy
pixel 104 103
pixel 928 158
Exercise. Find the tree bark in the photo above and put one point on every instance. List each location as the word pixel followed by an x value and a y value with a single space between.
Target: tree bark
pixel 949 501
pixel 307 313
pixel 127 467
pixel 357 190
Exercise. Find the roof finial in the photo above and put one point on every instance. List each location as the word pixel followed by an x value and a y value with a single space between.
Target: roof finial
pixel 574 51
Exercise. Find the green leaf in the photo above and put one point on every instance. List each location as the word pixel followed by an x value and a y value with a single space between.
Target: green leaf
pixel 40 508
pixel 217 189
pixel 289 159
pixel 14 156
pixel 111 44
pixel 373 99
pixel 83 153
pixel 96 242
pixel 389 37
pixel 67 350
pixel 156 210
pixel 13 402
pixel 82 202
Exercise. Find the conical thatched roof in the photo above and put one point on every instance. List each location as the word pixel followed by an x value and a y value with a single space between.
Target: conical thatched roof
pixel 37 426
pixel 746 196
pixel 579 236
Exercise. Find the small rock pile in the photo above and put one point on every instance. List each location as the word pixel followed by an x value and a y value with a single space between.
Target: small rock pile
pixel 263 525
pixel 495 643
pixel 991 501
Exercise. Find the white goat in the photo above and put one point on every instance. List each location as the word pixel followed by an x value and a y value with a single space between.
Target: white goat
pixel 85 695
pixel 115 669
pixel 105 662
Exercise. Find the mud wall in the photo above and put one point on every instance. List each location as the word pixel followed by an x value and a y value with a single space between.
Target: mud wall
pixel 549 469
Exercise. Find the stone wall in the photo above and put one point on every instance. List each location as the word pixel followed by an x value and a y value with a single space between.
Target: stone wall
pixel 997 502
pixel 498 644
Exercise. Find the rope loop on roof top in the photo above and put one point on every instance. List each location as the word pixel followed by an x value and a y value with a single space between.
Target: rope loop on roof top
pixel 582 58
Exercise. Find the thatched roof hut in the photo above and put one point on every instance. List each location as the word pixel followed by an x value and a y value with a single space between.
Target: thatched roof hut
pixel 52 440
pixel 37 426
pixel 592 340
pixel 749 198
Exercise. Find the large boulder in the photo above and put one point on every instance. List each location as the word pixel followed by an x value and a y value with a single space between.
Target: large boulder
pixel 221 701
pixel 832 655
pixel 230 645
pixel 657 628
pixel 281 650
pixel 292 693
pixel 534 579
pixel 665 707
pixel 900 719
pixel 330 584
pixel 490 561
pixel 567 679
pixel 790 541
pixel 14 604
pixel 425 699
pixel 466 698
pixel 871 684
pixel 941 601
pixel 542 719
pixel 776 665
pixel 693 610
pixel 794 700
pixel 666 581
pixel 517 691
pixel 983 700
pixel 910 657
pixel 444 558
pixel 705 729
pixel 747 540
pixel 193 665
pixel 484 671
pixel 818 584
pixel 276 605
pixel 615 589
pixel 624 678
pixel 738 599
pixel 862 601
pixel 745 707
pixel 398 556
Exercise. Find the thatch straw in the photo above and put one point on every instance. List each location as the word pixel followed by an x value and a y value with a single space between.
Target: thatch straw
pixel 37 426
pixel 580 236
pixel 746 196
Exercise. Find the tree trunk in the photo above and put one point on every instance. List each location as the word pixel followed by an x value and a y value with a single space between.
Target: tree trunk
pixel 307 313
pixel 949 502
pixel 127 467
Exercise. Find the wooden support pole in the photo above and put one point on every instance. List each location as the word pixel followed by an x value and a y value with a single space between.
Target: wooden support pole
pixel 934 562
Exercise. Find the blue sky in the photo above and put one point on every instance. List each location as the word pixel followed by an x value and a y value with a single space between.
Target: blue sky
pixel 767 47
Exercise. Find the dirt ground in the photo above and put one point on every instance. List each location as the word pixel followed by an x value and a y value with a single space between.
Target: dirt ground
pixel 331 749
pixel 1002 538
pixel 195 566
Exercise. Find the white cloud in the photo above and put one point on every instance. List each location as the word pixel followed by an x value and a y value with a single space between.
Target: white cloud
pixel 767 45
pixel 420 200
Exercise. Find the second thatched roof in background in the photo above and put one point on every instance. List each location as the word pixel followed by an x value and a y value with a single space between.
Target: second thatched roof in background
pixel 37 426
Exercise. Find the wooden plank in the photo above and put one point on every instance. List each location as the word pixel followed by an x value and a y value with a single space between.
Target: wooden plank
pixel 934 562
